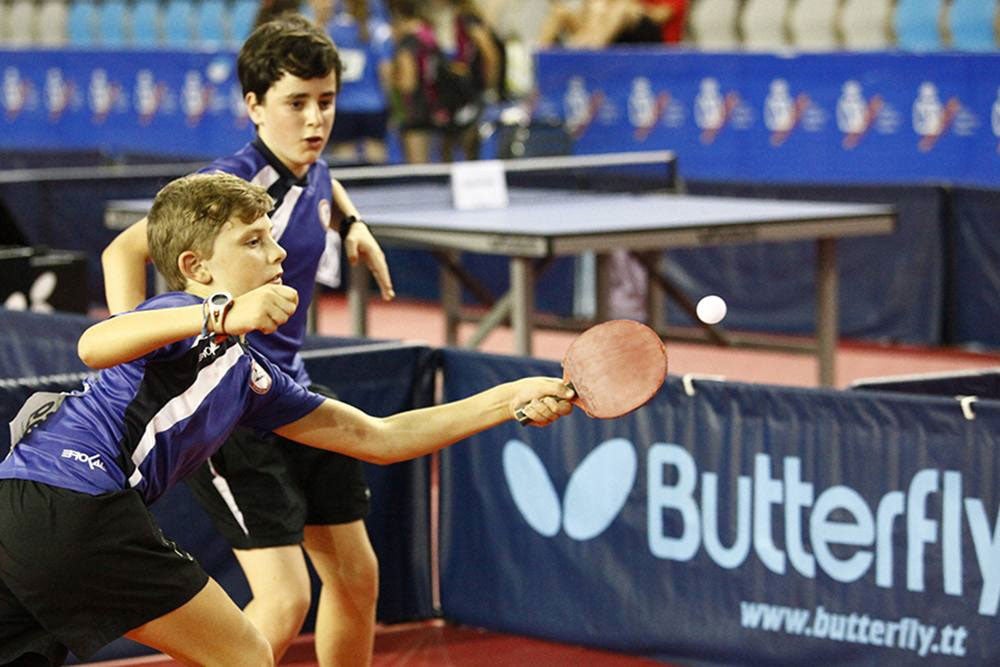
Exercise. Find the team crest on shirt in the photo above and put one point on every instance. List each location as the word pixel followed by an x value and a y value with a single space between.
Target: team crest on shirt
pixel 323 209
pixel 260 381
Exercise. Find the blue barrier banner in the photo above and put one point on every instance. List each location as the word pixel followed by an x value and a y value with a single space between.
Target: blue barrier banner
pixel 972 307
pixel 739 525
pixel 959 384
pixel 40 343
pixel 845 118
pixel 183 103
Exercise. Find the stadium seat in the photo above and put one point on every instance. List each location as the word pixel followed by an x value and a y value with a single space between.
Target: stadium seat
pixel 813 25
pixel 53 16
pixel 146 23
pixel 241 20
pixel 972 26
pixel 178 24
pixel 764 24
pixel 211 19
pixel 23 22
pixel 917 25
pixel 4 22
pixel 112 23
pixel 712 24
pixel 865 25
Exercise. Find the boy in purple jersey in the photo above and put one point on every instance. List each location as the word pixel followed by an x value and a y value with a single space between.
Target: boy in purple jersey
pixel 270 498
pixel 82 561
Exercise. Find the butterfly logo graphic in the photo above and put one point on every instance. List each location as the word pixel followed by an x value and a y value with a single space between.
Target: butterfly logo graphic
pixel 595 494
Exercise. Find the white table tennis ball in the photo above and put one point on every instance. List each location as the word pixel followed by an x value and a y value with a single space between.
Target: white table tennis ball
pixel 711 309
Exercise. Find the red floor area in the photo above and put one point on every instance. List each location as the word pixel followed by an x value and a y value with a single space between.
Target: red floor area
pixel 436 644
pixel 424 322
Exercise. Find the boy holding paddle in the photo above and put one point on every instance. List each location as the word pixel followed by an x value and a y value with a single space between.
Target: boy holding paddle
pixel 82 561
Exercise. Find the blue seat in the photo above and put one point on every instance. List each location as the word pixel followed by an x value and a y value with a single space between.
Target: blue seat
pixel 916 25
pixel 971 25
pixel 241 20
pixel 112 19
pixel 81 23
pixel 146 23
pixel 178 20
pixel 211 18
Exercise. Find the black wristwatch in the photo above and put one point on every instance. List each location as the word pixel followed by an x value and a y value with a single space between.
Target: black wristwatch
pixel 345 224
pixel 214 310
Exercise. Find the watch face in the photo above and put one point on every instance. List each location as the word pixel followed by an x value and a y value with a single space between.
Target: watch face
pixel 219 300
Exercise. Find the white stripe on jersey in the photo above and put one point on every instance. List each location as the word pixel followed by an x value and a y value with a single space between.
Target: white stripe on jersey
pixel 280 218
pixel 266 177
pixel 183 406
pixel 222 486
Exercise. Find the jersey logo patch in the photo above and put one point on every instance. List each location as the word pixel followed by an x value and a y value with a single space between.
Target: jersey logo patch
pixel 260 381
pixel 323 210
pixel 92 461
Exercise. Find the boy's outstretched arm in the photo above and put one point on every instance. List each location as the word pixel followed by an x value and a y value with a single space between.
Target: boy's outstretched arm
pixel 124 263
pixel 360 245
pixel 132 335
pixel 339 427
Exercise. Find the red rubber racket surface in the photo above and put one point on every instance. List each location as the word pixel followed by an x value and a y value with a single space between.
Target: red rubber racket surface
pixel 615 367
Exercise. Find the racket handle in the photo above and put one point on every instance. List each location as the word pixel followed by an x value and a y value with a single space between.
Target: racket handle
pixel 524 419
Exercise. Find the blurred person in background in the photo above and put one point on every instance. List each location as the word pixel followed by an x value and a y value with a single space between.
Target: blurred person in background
pixel 365 45
pixel 596 24
pixel 478 56
pixel 415 105
pixel 272 9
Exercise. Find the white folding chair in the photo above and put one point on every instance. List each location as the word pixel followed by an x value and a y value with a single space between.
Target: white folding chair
pixel 53 19
pixel 812 25
pixel 712 24
pixel 23 22
pixel 764 25
pixel 865 25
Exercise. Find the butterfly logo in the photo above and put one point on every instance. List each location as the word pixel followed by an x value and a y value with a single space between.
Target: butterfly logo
pixel 595 494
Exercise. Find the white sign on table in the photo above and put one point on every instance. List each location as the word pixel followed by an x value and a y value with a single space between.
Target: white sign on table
pixel 477 185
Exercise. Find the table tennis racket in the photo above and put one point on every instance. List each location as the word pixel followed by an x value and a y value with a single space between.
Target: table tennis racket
pixel 614 367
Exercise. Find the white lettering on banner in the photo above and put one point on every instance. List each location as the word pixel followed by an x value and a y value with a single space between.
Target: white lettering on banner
pixel 845 537
pixel 907 633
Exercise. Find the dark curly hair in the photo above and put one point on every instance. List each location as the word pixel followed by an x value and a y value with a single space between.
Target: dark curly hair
pixel 290 44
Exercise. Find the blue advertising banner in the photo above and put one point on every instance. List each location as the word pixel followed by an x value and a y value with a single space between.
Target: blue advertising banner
pixel 172 103
pixel 740 524
pixel 819 118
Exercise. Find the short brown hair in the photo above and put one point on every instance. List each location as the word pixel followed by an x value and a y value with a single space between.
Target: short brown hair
pixel 290 44
pixel 188 214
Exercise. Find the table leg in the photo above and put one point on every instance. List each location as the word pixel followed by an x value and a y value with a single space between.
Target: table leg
pixel 602 287
pixel 826 310
pixel 522 292
pixel 656 296
pixel 357 300
pixel 451 300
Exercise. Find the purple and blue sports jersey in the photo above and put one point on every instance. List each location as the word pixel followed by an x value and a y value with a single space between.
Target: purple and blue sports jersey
pixel 301 217
pixel 148 423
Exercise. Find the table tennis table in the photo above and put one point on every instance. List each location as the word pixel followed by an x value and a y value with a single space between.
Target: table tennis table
pixel 541 223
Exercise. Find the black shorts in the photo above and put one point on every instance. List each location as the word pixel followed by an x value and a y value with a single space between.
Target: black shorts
pixel 261 490
pixel 350 126
pixel 79 571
